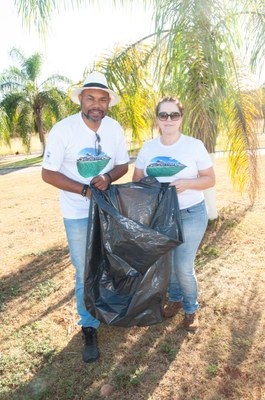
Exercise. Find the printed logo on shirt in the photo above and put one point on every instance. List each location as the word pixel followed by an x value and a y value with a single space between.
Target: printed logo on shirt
pixel 164 166
pixel 91 164
pixel 47 156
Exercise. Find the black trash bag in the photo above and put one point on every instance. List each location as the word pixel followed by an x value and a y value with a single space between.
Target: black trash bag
pixel 132 227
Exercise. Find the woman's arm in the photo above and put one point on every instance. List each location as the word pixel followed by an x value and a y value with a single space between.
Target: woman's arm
pixel 137 174
pixel 205 180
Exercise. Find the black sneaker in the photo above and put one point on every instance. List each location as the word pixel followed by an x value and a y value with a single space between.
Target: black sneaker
pixel 90 350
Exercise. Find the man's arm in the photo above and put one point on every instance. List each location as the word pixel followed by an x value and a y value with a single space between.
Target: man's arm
pixel 101 182
pixel 61 181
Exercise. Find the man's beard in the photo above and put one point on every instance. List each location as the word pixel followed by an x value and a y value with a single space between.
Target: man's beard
pixel 94 119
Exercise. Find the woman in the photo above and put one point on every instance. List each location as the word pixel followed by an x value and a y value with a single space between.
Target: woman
pixel 185 163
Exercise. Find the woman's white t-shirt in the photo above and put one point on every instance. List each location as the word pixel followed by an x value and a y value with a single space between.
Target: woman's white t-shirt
pixel 72 149
pixel 181 160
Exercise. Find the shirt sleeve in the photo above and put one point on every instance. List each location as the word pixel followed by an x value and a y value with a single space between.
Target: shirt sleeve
pixel 54 152
pixel 139 162
pixel 204 160
pixel 122 156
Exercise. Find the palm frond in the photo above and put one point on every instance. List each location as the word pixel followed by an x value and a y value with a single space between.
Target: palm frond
pixel 128 73
pixel 25 124
pixel 56 80
pixel 32 66
pixel 11 79
pixel 17 54
pixel 38 12
pixel 4 128
pixel 242 139
pixel 11 102
pixel 253 27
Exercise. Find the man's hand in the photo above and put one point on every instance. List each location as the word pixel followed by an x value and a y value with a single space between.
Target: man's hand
pixel 101 182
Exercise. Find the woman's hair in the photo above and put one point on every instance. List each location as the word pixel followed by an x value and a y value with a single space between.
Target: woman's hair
pixel 172 100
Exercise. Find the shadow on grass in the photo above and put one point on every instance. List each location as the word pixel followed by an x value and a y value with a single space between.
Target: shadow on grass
pixel 33 283
pixel 134 360
pixel 217 233
pixel 41 268
pixel 231 343
pixel 134 372
pixel 244 330
pixel 8 167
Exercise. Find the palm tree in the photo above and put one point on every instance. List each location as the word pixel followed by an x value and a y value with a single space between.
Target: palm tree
pixel 30 106
pixel 4 130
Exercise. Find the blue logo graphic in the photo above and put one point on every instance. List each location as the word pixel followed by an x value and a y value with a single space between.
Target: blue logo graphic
pixel 164 166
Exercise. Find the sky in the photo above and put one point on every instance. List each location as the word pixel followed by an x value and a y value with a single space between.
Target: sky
pixel 75 38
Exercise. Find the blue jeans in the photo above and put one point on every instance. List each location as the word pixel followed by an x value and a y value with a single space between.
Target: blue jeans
pixel 76 233
pixel 183 282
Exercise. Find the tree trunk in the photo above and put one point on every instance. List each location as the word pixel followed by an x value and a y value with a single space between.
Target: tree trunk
pixel 40 130
pixel 42 140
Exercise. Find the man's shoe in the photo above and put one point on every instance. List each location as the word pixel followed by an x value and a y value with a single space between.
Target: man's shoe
pixel 90 350
pixel 172 308
pixel 191 322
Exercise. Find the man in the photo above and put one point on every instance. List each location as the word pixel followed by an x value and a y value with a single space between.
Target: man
pixel 88 147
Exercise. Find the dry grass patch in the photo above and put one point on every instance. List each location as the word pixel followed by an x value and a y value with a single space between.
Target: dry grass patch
pixel 40 341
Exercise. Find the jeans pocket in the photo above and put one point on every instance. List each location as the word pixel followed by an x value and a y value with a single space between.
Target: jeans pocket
pixel 197 209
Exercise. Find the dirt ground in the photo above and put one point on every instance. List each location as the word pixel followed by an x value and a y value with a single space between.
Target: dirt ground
pixel 40 340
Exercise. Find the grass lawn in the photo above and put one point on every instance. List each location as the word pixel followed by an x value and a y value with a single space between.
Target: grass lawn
pixel 41 342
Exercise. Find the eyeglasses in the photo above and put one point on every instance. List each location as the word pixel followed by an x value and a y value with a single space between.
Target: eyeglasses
pixel 163 116
pixel 97 145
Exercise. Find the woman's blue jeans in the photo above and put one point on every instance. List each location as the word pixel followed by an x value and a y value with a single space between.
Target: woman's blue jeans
pixel 183 284
pixel 76 233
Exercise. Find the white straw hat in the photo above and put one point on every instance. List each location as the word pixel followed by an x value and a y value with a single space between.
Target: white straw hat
pixel 95 80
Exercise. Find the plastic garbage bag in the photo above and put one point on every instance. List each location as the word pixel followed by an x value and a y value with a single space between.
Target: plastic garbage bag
pixel 132 227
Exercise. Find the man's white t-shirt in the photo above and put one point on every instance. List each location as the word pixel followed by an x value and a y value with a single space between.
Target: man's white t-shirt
pixel 72 149
pixel 181 160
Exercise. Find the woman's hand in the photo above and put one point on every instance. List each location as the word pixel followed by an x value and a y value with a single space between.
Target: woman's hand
pixel 181 184
pixel 205 180
pixel 137 174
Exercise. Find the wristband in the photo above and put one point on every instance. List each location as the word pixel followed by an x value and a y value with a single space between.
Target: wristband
pixel 84 190
pixel 110 180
